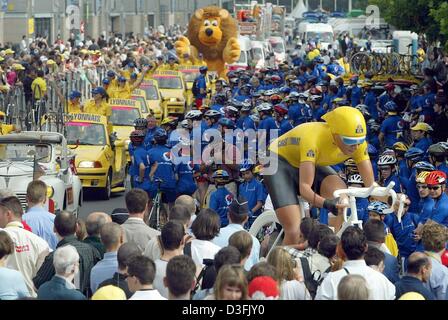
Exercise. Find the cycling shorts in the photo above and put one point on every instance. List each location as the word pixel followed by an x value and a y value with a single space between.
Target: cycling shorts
pixel 283 186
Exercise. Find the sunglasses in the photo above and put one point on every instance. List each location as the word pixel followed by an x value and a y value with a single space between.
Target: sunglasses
pixel 352 141
pixel 384 168
pixel 434 188
pixel 422 187
pixel 206 118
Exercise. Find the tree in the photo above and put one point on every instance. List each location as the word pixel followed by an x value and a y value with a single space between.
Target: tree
pixel 441 16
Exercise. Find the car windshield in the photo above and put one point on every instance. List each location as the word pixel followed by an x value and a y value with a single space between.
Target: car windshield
pixel 124 116
pixel 142 103
pixel 258 54
pixel 321 36
pixel 278 47
pixel 169 82
pixel 151 92
pixel 85 134
pixel 25 152
pixel 190 76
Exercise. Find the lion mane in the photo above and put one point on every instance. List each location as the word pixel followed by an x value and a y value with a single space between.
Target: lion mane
pixel 228 27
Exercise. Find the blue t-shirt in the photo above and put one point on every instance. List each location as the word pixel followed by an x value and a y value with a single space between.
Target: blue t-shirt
pixel 186 184
pixel 140 156
pixel 245 123
pixel 342 90
pixel 165 170
pixel 268 124
pixel 392 129
pixel 403 232
pixel 439 212
pixel 220 201
pixel 370 101
pixel 425 207
pixel 201 84
pixel 253 191
pixel 285 126
pixel 394 178
pixel 356 96
pixel 423 144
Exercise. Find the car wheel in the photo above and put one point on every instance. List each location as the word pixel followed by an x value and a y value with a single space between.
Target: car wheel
pixel 107 190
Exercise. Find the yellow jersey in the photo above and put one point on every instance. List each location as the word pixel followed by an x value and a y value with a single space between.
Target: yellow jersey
pixel 6 129
pixel 39 88
pixel 102 110
pixel 313 142
pixel 121 93
pixel 73 108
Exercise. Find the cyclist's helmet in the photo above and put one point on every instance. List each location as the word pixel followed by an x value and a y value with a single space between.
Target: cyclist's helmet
pixel 391 107
pixel 421 177
pixel 227 123
pixel 439 149
pixel 137 136
pixel 316 99
pixel 194 115
pixel 355 179
pixel 377 207
pixel 424 166
pixel 414 154
pixel 231 112
pixel 221 176
pixel 203 69
pixel 373 125
pixel 436 178
pixel 140 123
pixel 213 114
pixel 350 167
pixel 185 124
pixel 220 98
pixel 400 147
pixel 372 151
pixel 276 78
pixel 246 166
pixel 285 90
pixel 364 110
pixel 275 99
pixel 170 121
pixel 348 123
pixel 388 152
pixel 281 109
pixel 160 135
pixel 247 106
pixel 386 160
pixel 74 95
pixel 265 107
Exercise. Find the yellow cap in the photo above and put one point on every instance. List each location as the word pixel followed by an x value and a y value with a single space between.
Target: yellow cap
pixel 2 114
pixel 412 296
pixel 9 51
pixel 1 59
pixel 109 293
pixel 18 67
pixel 84 51
pixel 51 62
pixel 422 126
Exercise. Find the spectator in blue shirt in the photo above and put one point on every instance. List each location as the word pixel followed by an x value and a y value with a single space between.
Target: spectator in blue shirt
pixel 112 237
pixel 387 167
pixel 392 127
pixel 37 217
pixel 283 124
pixel 267 124
pixel 221 198
pixel 370 99
pixel 200 87
pixel 420 136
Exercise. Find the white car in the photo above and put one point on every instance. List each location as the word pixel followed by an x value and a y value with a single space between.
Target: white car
pixel 45 156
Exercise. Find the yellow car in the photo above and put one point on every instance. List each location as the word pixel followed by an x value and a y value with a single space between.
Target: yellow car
pixel 123 114
pixel 100 161
pixel 153 98
pixel 140 96
pixel 190 73
pixel 173 92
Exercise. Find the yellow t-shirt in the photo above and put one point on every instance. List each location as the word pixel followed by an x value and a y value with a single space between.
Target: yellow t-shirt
pixel 73 108
pixel 313 54
pixel 39 88
pixel 313 142
pixel 6 129
pixel 102 110
pixel 167 67
pixel 121 93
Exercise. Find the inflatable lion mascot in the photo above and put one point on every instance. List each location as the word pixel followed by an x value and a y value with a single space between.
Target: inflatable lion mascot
pixel 213 33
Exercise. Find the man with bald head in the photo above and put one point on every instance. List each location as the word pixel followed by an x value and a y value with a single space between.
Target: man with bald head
pixel 95 221
pixel 112 237
pixel 418 272
pixel 65 229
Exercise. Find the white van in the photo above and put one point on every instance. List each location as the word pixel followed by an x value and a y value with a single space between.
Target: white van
pixel 321 32
pixel 279 47
pixel 260 55
pixel 246 55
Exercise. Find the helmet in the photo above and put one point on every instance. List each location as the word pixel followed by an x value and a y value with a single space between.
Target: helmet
pixel 185 124
pixel 231 112
pixel 75 94
pixel 435 178
pixel 203 69
pixel 264 107
pixel 303 96
pixel 213 114
pixel 438 149
pixel 377 207
pixel 386 160
pixel 373 125
pixel 364 110
pixel 221 176
pixel 137 136
pixel 170 121
pixel 414 154
pixel 316 98
pixel 372 151
pixel 281 109
pixel 247 107
pixel 194 115
pixel 400 146
pixel 347 122
pixel 276 99
pixel 246 166
pixel 424 166
pixel 285 90
pixel 350 167
pixel 220 98
pixel 140 123
pixel 391 106
pixel 355 179
pixel 160 135
pixel 276 78
pixel 258 169
pixel 226 122
pixel 268 93
pixel 421 177
pixel 255 118
pixel 236 103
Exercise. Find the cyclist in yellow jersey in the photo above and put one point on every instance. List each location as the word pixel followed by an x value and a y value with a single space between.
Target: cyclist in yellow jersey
pixel 305 155
pixel 98 104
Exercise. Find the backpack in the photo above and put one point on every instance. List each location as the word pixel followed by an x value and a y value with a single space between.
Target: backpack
pixel 207 276
pixel 312 282
pixel 195 88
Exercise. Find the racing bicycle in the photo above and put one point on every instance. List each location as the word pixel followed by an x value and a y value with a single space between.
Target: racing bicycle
pixel 154 214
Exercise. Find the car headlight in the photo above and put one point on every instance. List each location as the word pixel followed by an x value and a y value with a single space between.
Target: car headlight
pixel 90 164
pixel 50 192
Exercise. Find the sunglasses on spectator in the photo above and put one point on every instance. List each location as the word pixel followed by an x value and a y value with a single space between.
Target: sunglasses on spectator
pixel 434 188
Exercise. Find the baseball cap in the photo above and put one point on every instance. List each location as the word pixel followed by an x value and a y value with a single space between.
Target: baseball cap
pixel 422 126
pixel 109 293
pixel 263 288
